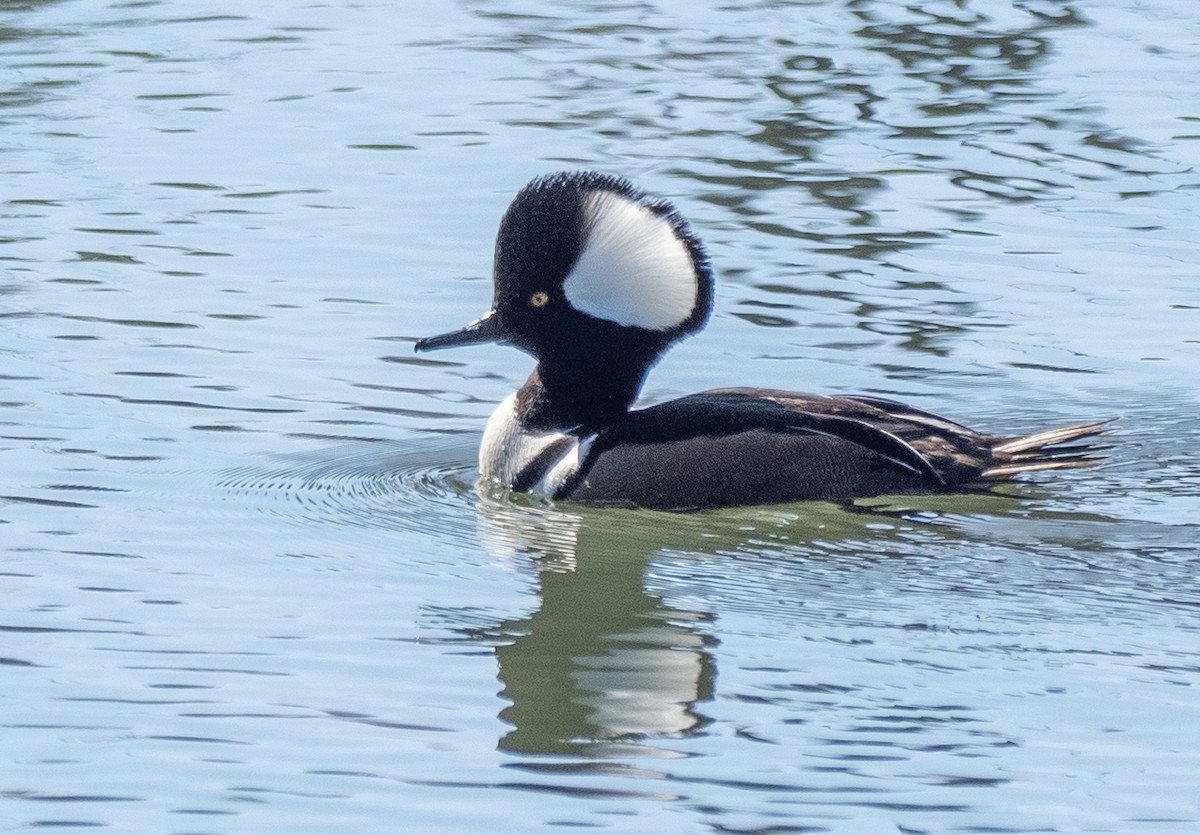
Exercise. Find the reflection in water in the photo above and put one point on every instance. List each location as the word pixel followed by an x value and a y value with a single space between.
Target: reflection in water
pixel 605 665
pixel 602 664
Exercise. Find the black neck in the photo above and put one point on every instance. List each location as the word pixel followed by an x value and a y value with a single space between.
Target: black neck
pixel 580 394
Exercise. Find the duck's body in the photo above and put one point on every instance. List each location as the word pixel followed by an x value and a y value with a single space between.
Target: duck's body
pixel 596 280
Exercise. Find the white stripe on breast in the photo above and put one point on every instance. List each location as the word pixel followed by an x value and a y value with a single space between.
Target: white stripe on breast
pixel 508 447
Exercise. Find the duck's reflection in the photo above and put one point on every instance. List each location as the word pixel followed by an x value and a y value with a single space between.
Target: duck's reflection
pixel 603 664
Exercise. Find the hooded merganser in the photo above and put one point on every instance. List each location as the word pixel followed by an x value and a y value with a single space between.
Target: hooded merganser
pixel 596 280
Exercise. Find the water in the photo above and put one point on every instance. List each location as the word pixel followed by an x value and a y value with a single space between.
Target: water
pixel 248 585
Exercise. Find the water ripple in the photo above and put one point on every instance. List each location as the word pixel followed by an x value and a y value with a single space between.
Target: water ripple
pixel 365 484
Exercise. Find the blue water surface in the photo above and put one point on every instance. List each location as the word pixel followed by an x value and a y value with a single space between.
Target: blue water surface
pixel 247 583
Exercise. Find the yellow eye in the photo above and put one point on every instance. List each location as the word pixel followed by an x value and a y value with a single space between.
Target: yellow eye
pixel 539 299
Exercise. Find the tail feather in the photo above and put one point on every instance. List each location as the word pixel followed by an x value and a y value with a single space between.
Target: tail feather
pixel 1049 450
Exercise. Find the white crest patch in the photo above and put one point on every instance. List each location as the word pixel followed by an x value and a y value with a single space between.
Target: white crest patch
pixel 634 269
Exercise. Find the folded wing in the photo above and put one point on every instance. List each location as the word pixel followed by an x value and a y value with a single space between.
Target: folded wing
pixel 760 446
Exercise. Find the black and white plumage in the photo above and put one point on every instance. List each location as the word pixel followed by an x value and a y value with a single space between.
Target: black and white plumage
pixel 596 280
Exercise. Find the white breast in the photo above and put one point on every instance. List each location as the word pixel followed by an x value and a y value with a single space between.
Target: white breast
pixel 508 447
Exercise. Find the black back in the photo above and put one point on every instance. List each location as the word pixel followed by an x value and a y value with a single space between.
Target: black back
pixel 737 446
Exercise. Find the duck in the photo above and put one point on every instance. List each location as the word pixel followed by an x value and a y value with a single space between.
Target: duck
pixel 596 280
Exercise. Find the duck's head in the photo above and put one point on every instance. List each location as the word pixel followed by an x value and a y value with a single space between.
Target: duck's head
pixel 590 270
